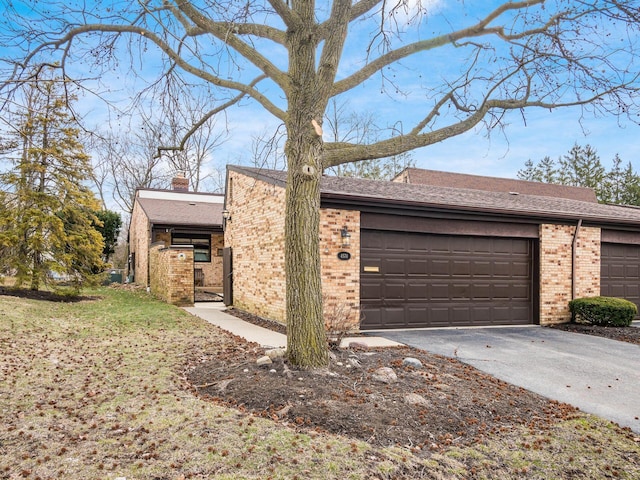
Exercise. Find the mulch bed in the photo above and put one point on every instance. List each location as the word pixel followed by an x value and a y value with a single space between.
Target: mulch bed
pixel 622 334
pixel 443 403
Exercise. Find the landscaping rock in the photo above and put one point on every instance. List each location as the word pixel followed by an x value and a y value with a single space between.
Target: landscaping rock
pixel 416 400
pixel 275 353
pixel 262 361
pixel 412 362
pixel 358 345
pixel 385 375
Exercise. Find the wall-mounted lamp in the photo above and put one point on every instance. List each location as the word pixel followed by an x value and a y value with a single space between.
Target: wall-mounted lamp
pixel 346 237
pixel 226 215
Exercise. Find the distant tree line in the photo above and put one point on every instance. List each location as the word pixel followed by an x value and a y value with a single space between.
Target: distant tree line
pixel 582 167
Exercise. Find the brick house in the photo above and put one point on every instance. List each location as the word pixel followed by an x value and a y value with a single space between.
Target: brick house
pixel 456 250
pixel 177 217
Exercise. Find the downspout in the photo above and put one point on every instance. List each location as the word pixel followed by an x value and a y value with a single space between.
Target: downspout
pixel 573 260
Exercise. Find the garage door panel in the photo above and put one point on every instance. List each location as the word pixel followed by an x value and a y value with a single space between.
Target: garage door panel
pixel 444 280
pixel 370 291
pixel 620 271
pixel 520 316
pixel 461 245
pixel 613 290
pixel 632 291
pixel 502 314
pixel 482 292
pixel 631 271
pixel 439 291
pixel 482 315
pixel 439 267
pixel 417 266
pixel 614 271
pixel 520 270
pixel 394 291
pixel 461 268
pixel 460 315
pixel 393 266
pixel 417 291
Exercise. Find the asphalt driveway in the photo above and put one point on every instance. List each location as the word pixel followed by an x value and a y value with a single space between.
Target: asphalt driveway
pixel 597 375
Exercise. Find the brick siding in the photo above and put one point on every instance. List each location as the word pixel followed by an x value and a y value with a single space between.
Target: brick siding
pixel 171 274
pixel 256 235
pixel 139 242
pixel 556 258
pixel 340 278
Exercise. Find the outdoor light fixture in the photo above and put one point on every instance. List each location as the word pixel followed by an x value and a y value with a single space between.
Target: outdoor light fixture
pixel 346 237
pixel 226 215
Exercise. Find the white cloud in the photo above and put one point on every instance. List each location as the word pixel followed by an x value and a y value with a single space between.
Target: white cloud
pixel 404 12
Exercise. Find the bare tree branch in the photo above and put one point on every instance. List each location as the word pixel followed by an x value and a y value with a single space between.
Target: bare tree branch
pixel 205 118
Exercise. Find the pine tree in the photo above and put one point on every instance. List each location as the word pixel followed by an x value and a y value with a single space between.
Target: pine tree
pixel 46 218
pixel 544 171
pixel 582 167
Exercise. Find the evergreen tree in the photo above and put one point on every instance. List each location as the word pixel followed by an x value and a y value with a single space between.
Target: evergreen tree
pixel 46 218
pixel 622 185
pixel 545 171
pixel 582 167
pixel 109 228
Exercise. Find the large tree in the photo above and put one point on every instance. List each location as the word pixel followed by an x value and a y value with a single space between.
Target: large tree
pixel 46 214
pixel 465 64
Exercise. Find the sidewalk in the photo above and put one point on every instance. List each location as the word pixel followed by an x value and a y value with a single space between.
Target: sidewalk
pixel 213 312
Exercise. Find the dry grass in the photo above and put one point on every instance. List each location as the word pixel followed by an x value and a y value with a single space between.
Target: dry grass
pixel 96 389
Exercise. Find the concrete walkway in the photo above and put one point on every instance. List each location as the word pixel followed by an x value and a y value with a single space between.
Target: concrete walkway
pixel 213 312
pixel 597 375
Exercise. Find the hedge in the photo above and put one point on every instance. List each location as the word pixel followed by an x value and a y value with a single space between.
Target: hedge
pixel 604 311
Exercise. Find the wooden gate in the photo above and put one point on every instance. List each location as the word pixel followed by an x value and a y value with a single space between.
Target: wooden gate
pixel 227 275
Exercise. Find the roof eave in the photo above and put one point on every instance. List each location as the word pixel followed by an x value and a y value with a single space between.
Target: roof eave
pixel 407 205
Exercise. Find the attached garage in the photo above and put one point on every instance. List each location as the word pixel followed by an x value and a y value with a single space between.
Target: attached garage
pixel 412 280
pixel 461 251
pixel 620 271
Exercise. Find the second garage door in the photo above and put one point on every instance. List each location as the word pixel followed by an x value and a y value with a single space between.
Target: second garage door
pixel 620 271
pixel 411 280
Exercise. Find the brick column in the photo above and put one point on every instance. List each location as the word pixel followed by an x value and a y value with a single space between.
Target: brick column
pixel 556 269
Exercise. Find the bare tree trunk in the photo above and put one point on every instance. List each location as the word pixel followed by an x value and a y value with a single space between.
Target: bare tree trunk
pixel 306 338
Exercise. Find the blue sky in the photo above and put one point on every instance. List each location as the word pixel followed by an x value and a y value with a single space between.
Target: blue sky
pixel 503 154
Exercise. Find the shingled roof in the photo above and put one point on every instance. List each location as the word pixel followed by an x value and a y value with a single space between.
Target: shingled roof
pixel 494 184
pixel 406 195
pixel 181 212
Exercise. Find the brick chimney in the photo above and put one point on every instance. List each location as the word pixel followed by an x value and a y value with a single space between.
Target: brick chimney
pixel 179 183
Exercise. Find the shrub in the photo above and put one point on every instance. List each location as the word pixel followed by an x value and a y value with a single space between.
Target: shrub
pixel 604 311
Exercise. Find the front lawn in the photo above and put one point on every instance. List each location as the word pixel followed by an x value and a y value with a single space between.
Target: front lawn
pixel 100 388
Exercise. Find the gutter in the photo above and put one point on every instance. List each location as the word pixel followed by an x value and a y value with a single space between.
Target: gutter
pixel 573 259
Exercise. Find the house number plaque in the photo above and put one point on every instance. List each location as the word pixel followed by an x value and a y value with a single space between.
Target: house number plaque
pixel 344 255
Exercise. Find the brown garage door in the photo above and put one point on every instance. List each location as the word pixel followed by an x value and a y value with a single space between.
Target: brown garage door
pixel 411 280
pixel 620 271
